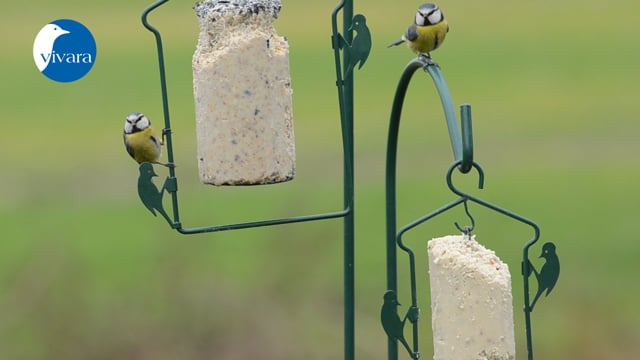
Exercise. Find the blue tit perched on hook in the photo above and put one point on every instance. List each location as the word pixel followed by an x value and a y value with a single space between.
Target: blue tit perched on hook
pixel 140 139
pixel 427 32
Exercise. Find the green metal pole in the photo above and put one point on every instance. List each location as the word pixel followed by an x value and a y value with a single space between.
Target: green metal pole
pixel 449 110
pixel 392 149
pixel 349 223
pixel 392 146
pixel 165 108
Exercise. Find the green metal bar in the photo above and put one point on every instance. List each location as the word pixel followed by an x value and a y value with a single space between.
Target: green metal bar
pixel 447 106
pixel 390 191
pixel 527 300
pixel 165 107
pixel 291 220
pixel 467 138
pixel 345 100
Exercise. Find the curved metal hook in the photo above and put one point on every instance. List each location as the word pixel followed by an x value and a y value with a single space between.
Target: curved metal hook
pixel 453 187
pixel 488 204
pixel 146 12
pixel 467 229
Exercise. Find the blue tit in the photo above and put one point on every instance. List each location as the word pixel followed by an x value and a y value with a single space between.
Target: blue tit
pixel 140 139
pixel 427 32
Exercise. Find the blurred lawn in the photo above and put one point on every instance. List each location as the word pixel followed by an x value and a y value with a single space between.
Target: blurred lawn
pixel 87 273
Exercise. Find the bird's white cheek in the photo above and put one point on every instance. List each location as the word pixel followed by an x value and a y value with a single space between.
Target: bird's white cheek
pixel 435 17
pixel 143 123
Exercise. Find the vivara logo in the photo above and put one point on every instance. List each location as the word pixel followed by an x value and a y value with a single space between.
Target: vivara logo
pixel 64 50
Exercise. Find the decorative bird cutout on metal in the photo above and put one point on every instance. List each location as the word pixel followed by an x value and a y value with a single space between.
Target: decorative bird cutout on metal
pixel 549 273
pixel 391 323
pixel 360 47
pixel 148 192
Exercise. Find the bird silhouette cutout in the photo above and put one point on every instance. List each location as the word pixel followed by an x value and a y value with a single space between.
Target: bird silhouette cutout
pixel 549 273
pixel 148 192
pixel 391 322
pixel 43 44
pixel 360 47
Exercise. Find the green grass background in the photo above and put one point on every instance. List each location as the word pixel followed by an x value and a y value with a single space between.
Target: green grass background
pixel 87 273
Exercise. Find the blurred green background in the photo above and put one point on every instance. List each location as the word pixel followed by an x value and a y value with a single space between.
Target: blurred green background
pixel 87 273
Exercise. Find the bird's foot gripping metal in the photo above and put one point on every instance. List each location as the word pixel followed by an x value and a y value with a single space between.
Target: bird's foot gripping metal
pixel 169 165
pixel 428 61
pixel 165 132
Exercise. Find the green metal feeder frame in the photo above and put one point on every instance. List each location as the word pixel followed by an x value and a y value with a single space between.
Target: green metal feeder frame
pixel 462 145
pixel 350 53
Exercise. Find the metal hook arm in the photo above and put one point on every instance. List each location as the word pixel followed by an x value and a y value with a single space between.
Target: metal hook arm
pixel 488 204
pixel 467 229
pixel 454 188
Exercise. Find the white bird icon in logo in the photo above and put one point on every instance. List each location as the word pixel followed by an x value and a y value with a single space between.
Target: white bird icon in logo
pixel 43 44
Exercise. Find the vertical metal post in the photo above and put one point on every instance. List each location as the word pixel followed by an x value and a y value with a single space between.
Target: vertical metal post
pixel 392 145
pixel 527 310
pixel 165 104
pixel 392 149
pixel 349 223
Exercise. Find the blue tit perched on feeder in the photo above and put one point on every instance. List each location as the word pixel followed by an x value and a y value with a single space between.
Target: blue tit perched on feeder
pixel 427 32
pixel 140 139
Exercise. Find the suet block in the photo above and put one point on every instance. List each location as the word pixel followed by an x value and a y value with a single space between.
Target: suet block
pixel 243 95
pixel 471 301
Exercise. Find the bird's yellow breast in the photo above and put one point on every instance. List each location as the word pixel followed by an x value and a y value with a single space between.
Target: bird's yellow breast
pixel 143 145
pixel 429 37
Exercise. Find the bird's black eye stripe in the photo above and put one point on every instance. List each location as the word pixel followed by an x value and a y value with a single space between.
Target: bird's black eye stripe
pixel 431 12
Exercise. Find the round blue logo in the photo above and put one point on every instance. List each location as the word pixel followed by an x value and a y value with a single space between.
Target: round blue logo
pixel 64 50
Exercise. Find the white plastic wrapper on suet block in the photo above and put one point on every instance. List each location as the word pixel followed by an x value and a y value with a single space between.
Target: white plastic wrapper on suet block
pixel 243 96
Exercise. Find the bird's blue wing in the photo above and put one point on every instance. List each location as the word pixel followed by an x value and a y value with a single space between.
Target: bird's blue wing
pixel 156 143
pixel 412 33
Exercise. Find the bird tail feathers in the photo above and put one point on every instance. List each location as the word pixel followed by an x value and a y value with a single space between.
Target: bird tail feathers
pixel 396 43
